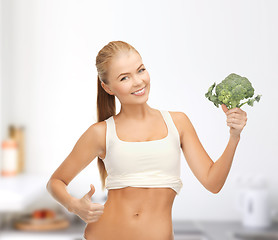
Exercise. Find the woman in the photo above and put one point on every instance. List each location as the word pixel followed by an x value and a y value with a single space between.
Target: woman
pixel 138 154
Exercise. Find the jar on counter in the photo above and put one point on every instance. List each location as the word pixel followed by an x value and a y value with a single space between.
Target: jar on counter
pixel 17 133
pixel 9 158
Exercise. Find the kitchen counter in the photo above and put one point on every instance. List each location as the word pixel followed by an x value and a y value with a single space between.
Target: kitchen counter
pixel 220 230
pixel 214 230
pixel 74 232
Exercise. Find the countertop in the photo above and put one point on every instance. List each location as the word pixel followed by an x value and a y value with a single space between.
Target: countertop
pixel 74 232
pixel 214 230
pixel 220 230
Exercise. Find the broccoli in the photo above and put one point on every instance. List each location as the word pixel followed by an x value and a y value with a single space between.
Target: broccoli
pixel 231 91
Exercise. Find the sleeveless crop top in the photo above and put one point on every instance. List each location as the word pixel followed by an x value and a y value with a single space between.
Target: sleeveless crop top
pixel 150 164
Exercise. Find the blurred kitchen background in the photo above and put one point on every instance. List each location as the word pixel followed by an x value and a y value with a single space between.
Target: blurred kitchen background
pixel 48 93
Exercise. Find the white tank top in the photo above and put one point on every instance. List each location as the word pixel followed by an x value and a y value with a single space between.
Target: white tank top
pixel 149 164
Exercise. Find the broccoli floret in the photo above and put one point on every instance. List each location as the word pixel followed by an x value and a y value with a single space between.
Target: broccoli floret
pixel 231 91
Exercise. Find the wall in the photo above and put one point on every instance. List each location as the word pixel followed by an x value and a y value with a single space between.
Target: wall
pixel 49 81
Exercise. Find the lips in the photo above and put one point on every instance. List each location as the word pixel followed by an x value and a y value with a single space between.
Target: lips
pixel 137 90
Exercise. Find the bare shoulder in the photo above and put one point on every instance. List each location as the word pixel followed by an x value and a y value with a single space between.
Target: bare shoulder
pixel 98 130
pixel 179 116
pixel 181 120
pixel 94 137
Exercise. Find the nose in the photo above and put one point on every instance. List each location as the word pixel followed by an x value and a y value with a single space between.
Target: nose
pixel 137 80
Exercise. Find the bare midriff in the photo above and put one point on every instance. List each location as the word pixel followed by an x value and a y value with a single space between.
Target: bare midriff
pixel 135 213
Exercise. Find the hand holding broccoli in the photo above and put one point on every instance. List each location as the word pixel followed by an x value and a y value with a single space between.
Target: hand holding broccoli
pixel 231 91
pixel 236 120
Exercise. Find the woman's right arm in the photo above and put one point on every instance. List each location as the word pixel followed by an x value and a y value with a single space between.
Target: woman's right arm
pixel 87 148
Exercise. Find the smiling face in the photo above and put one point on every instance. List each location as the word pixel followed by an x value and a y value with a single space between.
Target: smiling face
pixel 126 75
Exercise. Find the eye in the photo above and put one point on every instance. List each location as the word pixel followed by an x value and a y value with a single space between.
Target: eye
pixel 139 71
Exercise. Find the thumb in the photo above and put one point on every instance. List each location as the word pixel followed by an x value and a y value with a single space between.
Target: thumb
pixel 224 107
pixel 91 192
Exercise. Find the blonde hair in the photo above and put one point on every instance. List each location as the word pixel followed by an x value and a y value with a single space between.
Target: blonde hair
pixel 106 105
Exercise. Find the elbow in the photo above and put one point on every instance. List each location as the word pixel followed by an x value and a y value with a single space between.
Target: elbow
pixel 215 190
pixel 212 186
pixel 48 185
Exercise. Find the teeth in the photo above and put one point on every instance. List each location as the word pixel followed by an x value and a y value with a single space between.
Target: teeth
pixel 139 91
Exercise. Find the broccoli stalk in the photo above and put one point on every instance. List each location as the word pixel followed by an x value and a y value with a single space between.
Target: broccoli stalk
pixel 231 91
pixel 251 101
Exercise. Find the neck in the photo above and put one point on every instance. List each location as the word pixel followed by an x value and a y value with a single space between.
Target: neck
pixel 135 111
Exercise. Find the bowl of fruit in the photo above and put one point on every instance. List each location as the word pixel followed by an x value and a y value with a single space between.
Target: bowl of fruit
pixel 43 219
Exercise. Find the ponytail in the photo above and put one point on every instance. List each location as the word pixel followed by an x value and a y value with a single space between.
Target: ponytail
pixel 106 107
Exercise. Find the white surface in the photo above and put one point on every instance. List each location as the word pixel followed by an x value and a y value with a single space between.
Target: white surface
pixel 16 193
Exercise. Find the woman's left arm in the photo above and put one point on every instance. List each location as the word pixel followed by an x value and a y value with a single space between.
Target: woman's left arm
pixel 212 175
pixel 218 172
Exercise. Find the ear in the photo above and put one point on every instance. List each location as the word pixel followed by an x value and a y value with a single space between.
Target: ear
pixel 106 88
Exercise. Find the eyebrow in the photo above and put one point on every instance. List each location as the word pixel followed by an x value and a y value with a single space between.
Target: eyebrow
pixel 128 73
